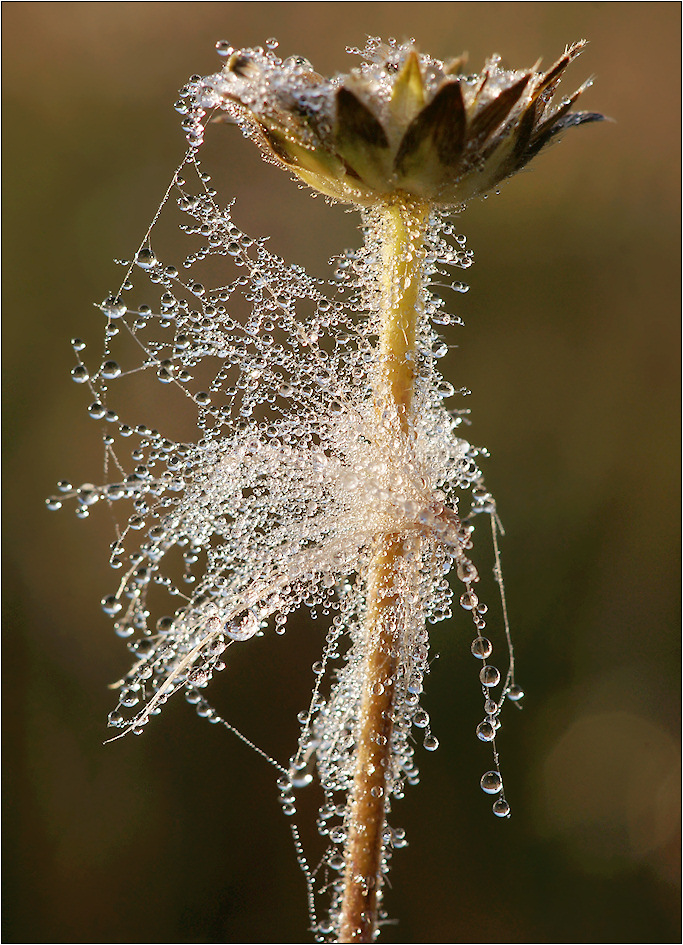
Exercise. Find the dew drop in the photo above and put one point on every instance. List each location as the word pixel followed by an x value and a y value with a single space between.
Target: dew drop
pixel 80 374
pixel 421 719
pixel 481 648
pixel 431 742
pixel 466 571
pixel 485 731
pixel 501 808
pixel 113 307
pixel 87 494
pixel 110 605
pixel 245 629
pixel 515 693
pixel 129 698
pixel 491 782
pixel 146 259
pixel 489 676
pixel 110 369
pixel 469 600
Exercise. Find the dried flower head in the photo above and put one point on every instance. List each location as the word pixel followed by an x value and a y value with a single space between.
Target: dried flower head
pixel 401 123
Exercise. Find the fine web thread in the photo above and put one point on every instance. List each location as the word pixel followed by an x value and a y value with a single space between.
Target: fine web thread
pixel 262 485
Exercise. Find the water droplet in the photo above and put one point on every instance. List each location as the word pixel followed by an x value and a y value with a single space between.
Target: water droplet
pixel 223 47
pixel 110 369
pixel 129 697
pixel 421 719
pixel 515 693
pixel 96 410
pixel 115 719
pixel 53 503
pixel 501 808
pixel 146 259
pixel 298 62
pixel 80 374
pixel 486 731
pixel 489 676
pixel 113 307
pixel 481 648
pixel 87 494
pixel 245 629
pixel 202 398
pixel 431 742
pixel 491 782
pixel 469 600
pixel 110 605
pixel 466 571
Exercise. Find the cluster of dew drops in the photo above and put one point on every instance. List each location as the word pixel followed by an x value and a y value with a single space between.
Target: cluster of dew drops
pixel 201 328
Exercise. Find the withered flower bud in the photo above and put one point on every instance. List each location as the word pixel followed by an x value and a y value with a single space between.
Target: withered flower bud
pixel 400 124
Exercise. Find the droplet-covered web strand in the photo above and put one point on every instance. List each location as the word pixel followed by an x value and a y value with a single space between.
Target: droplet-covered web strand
pixel 306 453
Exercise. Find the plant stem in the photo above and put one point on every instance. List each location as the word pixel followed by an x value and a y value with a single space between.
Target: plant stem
pixel 402 258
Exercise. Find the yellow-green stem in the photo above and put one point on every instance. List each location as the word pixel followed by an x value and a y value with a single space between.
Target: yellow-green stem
pixel 402 260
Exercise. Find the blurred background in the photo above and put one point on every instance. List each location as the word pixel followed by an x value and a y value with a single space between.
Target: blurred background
pixel 571 350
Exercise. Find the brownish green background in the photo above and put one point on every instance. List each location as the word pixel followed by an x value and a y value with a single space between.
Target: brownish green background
pixel 571 350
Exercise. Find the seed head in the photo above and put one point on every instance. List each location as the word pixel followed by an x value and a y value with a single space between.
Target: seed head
pixel 401 124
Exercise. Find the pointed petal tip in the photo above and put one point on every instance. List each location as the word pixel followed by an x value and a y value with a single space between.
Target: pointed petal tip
pixel 454 66
pixel 573 49
pixel 407 94
pixel 582 118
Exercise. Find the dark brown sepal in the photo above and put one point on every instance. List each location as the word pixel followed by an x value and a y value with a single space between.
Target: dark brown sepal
pixel 497 110
pixel 241 65
pixel 525 129
pixel 549 81
pixel 440 125
pixel 355 121
pixel 554 126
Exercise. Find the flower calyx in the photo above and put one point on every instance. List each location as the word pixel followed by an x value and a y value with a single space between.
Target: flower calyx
pixel 400 124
